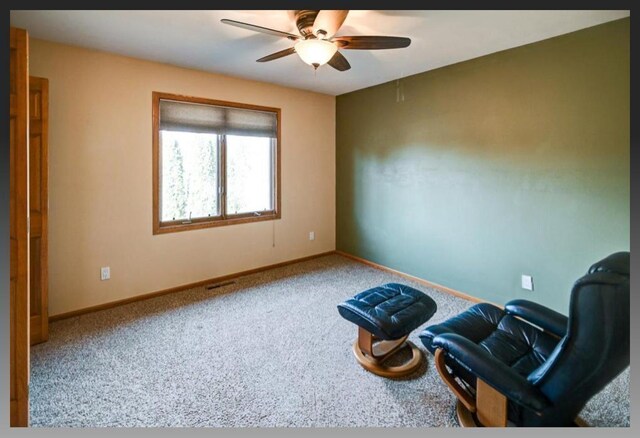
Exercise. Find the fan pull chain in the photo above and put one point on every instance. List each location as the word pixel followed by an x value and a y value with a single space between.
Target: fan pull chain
pixel 399 91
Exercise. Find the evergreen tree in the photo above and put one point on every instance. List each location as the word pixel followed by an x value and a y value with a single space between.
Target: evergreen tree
pixel 176 204
pixel 212 173
pixel 204 190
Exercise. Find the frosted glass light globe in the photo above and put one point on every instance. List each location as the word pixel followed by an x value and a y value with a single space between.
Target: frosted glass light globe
pixel 315 52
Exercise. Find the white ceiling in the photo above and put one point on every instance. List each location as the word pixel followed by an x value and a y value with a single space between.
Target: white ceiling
pixel 197 39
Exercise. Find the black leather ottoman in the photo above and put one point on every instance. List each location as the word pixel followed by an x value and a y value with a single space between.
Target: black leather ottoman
pixel 385 316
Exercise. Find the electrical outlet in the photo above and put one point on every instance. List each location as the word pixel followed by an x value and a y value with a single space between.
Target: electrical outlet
pixel 527 282
pixel 105 273
pixel 312 235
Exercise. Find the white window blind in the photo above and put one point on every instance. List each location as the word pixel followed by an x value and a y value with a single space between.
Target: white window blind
pixel 203 118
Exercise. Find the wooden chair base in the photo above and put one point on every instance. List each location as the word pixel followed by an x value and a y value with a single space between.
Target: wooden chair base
pixel 467 419
pixel 371 356
pixel 465 416
pixel 487 408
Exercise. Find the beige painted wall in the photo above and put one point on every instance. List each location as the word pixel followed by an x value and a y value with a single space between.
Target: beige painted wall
pixel 100 179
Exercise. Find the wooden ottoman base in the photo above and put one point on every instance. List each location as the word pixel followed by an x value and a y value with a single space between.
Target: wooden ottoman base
pixel 371 356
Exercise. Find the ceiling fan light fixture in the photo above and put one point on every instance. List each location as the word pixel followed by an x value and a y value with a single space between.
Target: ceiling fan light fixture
pixel 315 52
pixel 316 44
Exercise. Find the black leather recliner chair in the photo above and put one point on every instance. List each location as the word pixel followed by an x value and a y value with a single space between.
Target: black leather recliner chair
pixel 532 365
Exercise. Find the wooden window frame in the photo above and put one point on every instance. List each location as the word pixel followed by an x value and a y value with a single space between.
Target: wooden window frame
pixel 160 227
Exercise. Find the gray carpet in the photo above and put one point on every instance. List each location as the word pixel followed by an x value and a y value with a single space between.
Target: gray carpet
pixel 270 350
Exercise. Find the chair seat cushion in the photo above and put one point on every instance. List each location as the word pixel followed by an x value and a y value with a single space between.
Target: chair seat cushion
pixel 516 343
pixel 390 311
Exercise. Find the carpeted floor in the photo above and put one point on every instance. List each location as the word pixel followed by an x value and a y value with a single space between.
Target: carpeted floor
pixel 269 350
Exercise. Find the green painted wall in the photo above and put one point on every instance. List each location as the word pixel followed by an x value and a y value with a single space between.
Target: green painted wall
pixel 512 163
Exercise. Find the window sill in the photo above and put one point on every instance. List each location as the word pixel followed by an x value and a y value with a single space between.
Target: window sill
pixel 159 228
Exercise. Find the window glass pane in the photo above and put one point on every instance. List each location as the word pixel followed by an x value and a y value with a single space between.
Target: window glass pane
pixel 189 175
pixel 249 174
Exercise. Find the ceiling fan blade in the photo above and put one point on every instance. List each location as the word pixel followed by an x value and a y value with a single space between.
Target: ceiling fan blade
pixel 371 42
pixel 277 55
pixel 339 62
pixel 260 29
pixel 328 22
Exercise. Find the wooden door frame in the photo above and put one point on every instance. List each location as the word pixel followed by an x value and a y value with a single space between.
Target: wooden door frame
pixel 19 227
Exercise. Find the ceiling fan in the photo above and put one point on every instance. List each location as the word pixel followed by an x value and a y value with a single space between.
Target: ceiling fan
pixel 316 45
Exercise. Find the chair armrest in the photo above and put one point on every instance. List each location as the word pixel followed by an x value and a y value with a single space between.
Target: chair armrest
pixel 549 320
pixel 496 374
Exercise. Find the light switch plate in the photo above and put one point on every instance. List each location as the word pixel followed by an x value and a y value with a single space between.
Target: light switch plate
pixel 527 282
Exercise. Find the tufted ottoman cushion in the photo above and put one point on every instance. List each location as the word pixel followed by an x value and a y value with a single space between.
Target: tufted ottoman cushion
pixel 390 311
pixel 385 316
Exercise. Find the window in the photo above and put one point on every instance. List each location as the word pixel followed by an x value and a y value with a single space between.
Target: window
pixel 214 163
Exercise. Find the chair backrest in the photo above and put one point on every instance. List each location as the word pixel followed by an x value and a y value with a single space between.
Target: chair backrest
pixel 596 347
